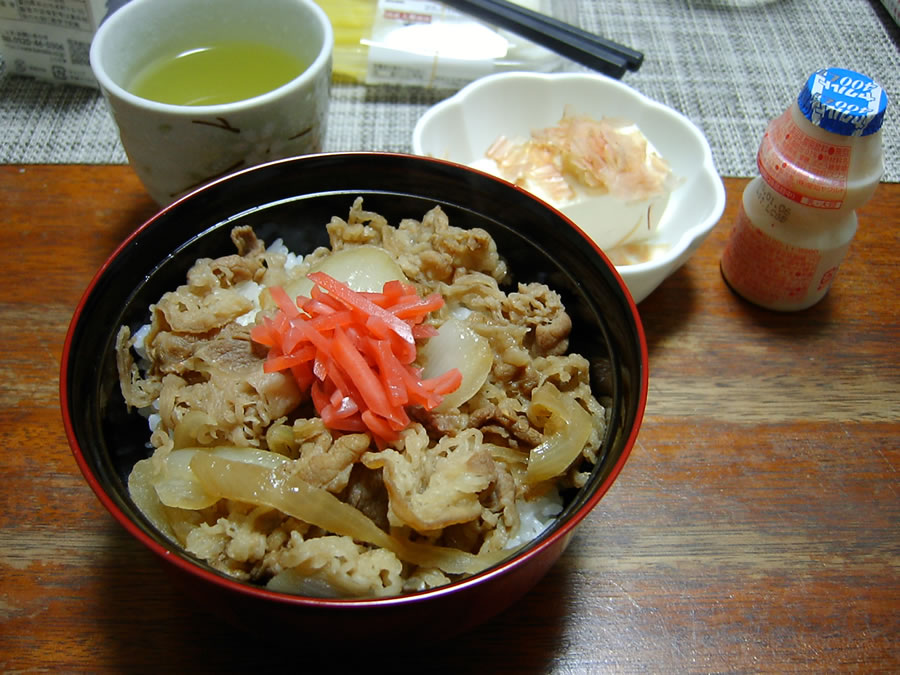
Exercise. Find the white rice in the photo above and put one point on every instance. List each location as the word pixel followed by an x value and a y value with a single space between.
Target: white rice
pixel 535 516
pixel 291 258
pixel 250 290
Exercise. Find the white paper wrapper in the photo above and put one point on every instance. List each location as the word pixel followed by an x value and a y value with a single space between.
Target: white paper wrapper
pixel 426 43
pixel 50 39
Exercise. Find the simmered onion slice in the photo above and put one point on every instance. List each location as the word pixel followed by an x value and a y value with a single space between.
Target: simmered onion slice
pixel 457 346
pixel 293 497
pixel 178 486
pixel 567 427
pixel 363 268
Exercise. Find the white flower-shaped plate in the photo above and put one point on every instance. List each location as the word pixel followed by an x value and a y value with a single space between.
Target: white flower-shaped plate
pixel 461 128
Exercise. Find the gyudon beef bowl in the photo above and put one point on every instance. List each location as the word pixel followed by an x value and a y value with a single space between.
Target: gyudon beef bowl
pixel 359 390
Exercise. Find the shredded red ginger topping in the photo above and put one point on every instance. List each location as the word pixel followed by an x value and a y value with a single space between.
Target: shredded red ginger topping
pixel 354 353
pixel 601 154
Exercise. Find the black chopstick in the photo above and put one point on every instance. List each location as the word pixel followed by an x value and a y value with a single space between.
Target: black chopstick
pixel 570 41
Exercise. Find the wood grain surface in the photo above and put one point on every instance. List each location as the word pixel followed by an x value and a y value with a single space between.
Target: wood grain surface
pixel 755 528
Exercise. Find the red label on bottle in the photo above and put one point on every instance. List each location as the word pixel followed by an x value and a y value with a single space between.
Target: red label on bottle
pixel 802 168
pixel 765 270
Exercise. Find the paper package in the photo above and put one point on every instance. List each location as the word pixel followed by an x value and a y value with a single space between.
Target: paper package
pixel 50 39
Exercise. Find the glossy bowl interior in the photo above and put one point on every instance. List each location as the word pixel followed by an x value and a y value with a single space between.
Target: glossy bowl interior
pixel 294 199
pixel 462 127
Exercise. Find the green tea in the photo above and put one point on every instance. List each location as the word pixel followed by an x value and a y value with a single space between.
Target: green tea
pixel 221 72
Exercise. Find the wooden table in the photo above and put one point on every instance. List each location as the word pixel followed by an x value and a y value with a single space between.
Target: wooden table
pixel 755 528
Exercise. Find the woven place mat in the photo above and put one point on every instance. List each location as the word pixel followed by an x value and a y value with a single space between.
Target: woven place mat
pixel 728 65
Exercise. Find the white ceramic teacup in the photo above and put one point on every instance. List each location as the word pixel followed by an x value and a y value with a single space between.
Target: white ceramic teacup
pixel 176 148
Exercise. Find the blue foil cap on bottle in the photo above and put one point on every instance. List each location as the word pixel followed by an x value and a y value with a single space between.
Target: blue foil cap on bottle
pixel 843 102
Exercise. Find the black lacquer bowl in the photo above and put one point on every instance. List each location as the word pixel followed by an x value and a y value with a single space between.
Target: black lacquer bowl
pixel 294 199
